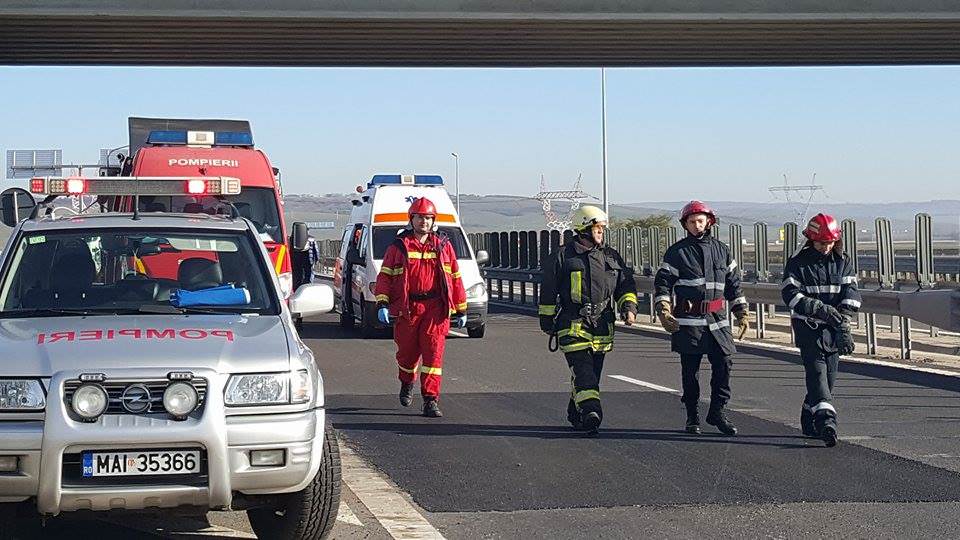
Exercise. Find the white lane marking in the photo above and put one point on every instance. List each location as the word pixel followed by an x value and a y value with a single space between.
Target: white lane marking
pixel 384 500
pixel 638 382
pixel 213 532
pixel 346 515
pixel 458 334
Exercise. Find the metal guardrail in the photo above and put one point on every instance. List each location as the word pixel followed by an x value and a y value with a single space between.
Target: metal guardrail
pixel 515 258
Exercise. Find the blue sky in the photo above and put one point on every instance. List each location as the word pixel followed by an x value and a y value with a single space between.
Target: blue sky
pixel 870 134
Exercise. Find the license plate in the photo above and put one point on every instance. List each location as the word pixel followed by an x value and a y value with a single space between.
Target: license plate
pixel 141 463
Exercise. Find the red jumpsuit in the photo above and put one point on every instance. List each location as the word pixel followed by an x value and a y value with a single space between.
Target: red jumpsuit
pixel 421 284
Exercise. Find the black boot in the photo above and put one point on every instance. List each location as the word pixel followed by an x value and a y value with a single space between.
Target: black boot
pixel 573 416
pixel 693 421
pixel 827 428
pixel 431 409
pixel 406 394
pixel 591 422
pixel 806 424
pixel 716 418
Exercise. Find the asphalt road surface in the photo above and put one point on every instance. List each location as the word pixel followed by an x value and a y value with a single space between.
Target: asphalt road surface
pixel 502 462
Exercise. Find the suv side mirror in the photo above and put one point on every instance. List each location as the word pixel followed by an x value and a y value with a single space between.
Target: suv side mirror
pixel 298 239
pixel 482 257
pixel 353 257
pixel 312 299
pixel 16 204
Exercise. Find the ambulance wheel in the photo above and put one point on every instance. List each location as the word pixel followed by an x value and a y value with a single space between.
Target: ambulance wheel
pixel 346 320
pixel 476 331
pixel 310 513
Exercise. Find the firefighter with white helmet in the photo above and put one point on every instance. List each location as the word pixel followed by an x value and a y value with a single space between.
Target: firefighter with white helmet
pixel 585 285
pixel 820 287
pixel 703 276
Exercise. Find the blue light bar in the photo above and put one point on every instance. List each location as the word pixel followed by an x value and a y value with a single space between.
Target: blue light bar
pixel 167 137
pixel 405 180
pixel 233 138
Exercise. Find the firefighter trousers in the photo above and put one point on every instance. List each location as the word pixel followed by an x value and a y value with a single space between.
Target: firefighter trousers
pixel 420 340
pixel 586 367
pixel 720 366
pixel 821 372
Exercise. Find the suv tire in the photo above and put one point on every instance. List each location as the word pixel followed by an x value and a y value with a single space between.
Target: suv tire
pixel 308 514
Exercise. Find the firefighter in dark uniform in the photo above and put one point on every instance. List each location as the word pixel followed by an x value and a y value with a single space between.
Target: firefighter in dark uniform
pixel 700 271
pixel 585 285
pixel 820 287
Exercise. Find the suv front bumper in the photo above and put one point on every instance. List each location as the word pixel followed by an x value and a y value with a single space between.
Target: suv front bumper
pixel 225 440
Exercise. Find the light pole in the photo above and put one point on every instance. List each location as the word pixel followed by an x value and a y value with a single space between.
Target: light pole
pixel 603 124
pixel 456 160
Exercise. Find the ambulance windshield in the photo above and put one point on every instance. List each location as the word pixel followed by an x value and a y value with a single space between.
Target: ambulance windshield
pixel 119 271
pixel 383 236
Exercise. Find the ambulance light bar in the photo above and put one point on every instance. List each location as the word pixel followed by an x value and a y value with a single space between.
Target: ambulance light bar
pixel 200 138
pixel 135 185
pixel 406 180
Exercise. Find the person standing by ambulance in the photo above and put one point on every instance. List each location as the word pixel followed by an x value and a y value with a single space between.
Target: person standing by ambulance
pixel 702 274
pixel 585 285
pixel 418 289
pixel 820 287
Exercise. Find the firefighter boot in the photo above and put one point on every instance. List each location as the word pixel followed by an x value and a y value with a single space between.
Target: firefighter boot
pixel 827 427
pixel 715 417
pixel 806 423
pixel 693 420
pixel 573 415
pixel 406 394
pixel 431 409
pixel 591 422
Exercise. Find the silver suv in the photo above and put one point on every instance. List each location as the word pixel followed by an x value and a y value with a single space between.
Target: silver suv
pixel 150 361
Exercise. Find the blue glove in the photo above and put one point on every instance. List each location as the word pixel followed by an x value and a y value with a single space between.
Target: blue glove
pixel 461 321
pixel 383 315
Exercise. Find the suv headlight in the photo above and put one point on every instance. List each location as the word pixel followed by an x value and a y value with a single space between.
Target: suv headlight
pixel 268 388
pixel 21 395
pixel 477 291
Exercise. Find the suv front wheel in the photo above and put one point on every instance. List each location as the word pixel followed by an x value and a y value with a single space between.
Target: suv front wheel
pixel 307 514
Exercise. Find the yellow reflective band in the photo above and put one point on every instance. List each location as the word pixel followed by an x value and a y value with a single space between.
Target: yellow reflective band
pixel 448 269
pixel 576 283
pixel 576 330
pixel 627 297
pixel 383 298
pixel 547 309
pixel 584 395
pixel 391 271
pixel 576 346
pixel 139 265
pixel 462 307
pixel 429 370
pixel 405 370
pixel 456 275
pixel 419 255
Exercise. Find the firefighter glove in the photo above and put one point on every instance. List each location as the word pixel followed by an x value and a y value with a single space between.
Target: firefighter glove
pixel 665 314
pixel 546 324
pixel 742 319
pixel 629 318
pixel 830 315
pixel 845 343
pixel 383 315
pixel 461 320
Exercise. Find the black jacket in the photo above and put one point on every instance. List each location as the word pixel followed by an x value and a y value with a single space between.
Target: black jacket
pixel 695 270
pixel 811 279
pixel 581 274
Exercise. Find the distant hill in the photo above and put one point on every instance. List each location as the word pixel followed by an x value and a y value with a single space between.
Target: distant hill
pixel 509 212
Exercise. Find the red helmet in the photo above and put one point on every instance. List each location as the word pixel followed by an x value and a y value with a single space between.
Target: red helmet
pixel 422 206
pixel 697 207
pixel 823 228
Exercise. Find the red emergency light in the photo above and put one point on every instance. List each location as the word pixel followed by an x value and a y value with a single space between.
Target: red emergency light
pixel 134 185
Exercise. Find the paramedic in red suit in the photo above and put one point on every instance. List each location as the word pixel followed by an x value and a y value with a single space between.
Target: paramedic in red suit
pixel 418 289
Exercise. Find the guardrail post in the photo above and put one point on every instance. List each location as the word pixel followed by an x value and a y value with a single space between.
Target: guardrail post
pixel 760 248
pixel 871 333
pixel 849 229
pixel 524 262
pixel 906 343
pixel 514 257
pixel 533 262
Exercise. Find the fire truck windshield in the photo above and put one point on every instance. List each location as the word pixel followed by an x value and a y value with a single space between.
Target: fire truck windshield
pixel 259 205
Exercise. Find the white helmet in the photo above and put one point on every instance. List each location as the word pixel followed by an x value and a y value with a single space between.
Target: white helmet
pixel 586 216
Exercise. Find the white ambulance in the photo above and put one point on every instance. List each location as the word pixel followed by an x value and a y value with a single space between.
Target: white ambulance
pixel 379 214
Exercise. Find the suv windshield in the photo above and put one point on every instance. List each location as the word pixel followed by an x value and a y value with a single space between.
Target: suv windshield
pixel 256 204
pixel 383 236
pixel 119 271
